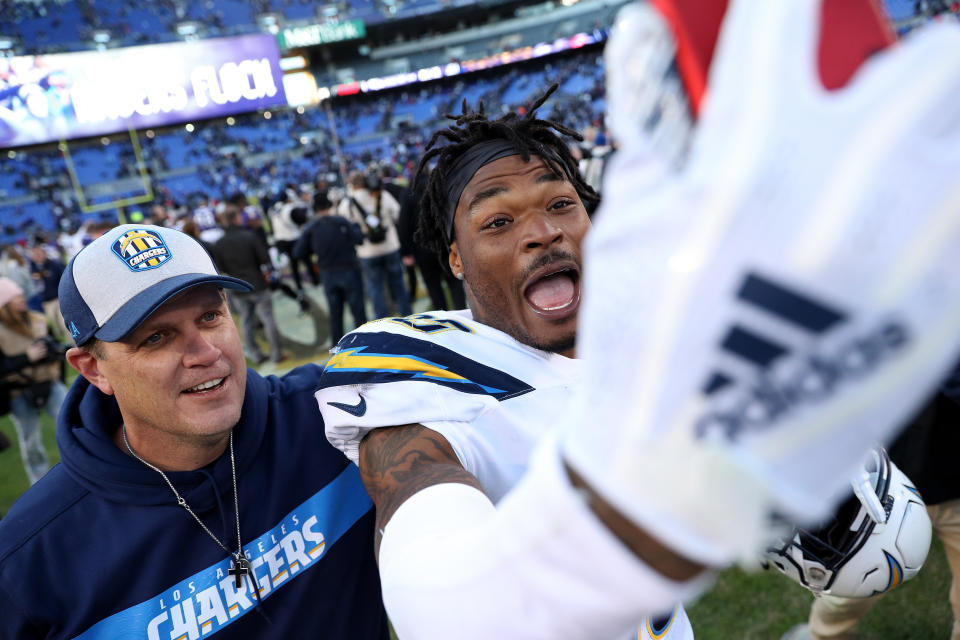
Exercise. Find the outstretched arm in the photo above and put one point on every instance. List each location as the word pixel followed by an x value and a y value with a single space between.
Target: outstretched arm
pixel 397 462
pixel 452 563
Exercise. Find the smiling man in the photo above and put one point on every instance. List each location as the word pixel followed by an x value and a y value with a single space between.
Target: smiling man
pixel 192 498
pixel 442 410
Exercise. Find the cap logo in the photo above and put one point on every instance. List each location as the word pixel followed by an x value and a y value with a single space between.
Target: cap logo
pixel 141 249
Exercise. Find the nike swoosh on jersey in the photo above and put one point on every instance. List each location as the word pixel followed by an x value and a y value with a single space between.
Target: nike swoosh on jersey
pixel 354 409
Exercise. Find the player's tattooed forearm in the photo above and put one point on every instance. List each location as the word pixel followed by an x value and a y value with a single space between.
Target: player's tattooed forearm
pixel 397 462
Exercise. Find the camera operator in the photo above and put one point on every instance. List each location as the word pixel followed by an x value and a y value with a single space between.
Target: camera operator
pixel 33 362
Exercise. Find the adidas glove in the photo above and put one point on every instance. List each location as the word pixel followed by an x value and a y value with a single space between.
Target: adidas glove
pixel 755 319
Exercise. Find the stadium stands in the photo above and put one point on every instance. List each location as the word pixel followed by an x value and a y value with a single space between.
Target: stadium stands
pixel 258 156
pixel 47 26
pixel 259 153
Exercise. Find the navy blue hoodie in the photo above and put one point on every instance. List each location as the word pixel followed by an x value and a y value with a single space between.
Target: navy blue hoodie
pixel 99 548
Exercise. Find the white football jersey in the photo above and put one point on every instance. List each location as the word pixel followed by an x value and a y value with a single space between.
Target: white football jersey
pixel 488 395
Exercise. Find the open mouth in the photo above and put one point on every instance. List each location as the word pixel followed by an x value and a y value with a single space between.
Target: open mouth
pixel 554 293
pixel 206 387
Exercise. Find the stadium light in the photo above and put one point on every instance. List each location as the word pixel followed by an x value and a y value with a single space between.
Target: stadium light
pixel 291 63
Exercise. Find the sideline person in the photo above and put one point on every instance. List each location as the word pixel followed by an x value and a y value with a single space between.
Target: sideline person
pixel 35 386
pixel 241 254
pixel 372 207
pixel 333 240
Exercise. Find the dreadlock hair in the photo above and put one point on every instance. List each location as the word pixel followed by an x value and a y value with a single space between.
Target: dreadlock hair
pixel 530 135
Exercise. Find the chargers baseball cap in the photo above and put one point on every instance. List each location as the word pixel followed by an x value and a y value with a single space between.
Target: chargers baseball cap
pixel 122 277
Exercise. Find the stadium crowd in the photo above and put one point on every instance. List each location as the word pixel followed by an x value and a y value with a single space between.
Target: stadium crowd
pixel 62 25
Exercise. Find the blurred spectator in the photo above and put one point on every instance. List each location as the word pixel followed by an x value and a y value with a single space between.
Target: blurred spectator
pixel 333 240
pixel 252 220
pixel 15 267
pixel 241 254
pixel 377 213
pixel 286 216
pixel 321 185
pixel 252 215
pixel 593 154
pixel 46 272
pixel 96 230
pixel 206 219
pixel 33 363
pixel 160 215
pixel 192 229
pixel 72 240
pixel 392 185
pixel 433 267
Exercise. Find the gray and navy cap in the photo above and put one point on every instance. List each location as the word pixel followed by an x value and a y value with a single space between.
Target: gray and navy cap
pixel 122 277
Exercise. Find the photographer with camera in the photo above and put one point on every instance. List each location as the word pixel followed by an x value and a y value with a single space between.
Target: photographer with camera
pixel 33 385
pixel 377 213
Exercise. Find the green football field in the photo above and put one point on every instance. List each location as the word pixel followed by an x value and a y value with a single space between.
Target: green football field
pixel 755 606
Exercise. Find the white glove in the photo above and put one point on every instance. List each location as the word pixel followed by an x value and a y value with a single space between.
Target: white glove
pixel 803 266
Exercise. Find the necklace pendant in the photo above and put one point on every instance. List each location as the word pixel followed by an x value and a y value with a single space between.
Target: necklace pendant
pixel 240 568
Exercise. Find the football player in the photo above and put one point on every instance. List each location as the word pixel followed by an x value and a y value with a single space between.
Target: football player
pixel 508 205
pixel 743 315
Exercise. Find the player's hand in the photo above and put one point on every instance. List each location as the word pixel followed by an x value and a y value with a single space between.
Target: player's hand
pixel 754 320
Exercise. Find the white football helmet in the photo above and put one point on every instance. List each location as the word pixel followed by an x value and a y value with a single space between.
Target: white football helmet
pixel 878 538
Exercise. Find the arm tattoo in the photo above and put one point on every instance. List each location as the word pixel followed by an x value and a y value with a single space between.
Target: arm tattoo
pixel 397 462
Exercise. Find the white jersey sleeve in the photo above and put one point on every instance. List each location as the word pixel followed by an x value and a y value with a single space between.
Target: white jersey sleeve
pixel 538 565
pixel 487 394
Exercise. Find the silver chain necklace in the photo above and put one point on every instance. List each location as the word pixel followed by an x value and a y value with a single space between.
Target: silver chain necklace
pixel 241 566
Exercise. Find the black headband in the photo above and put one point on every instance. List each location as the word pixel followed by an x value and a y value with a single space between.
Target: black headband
pixel 466 166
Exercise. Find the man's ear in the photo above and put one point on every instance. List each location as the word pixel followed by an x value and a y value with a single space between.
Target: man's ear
pixel 89 367
pixel 453 258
